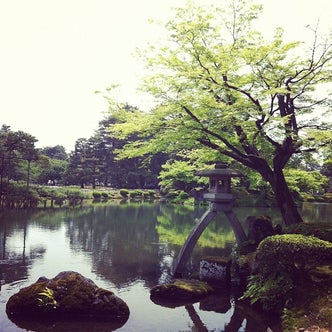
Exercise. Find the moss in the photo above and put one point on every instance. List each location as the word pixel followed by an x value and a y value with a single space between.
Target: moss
pixel 290 253
pixel 68 294
pixel 181 289
pixel 284 267
pixel 311 304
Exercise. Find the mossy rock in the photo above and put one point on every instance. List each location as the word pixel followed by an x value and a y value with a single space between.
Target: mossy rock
pixel 289 253
pixel 311 305
pixel 289 271
pixel 181 290
pixel 68 295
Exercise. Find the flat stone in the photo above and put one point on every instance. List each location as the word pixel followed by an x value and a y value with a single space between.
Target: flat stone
pixel 180 290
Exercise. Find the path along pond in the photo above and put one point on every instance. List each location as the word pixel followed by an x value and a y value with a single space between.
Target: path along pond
pixel 126 248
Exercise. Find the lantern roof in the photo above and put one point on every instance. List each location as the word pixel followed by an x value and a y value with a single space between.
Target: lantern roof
pixel 220 170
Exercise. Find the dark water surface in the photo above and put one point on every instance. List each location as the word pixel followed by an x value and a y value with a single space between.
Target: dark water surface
pixel 126 248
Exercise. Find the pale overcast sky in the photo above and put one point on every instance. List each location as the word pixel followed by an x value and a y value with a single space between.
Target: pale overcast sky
pixel 55 53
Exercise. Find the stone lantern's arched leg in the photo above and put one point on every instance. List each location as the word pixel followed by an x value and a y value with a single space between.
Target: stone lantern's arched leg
pixel 236 226
pixel 186 250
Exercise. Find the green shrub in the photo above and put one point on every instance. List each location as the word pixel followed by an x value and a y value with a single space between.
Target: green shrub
pixel 75 196
pixel 328 197
pixel 137 193
pixel 183 195
pixel 287 253
pixel 133 194
pixel 151 193
pixel 96 195
pixel 282 263
pixel 17 196
pixel 319 199
pixel 272 293
pixel 104 195
pixel 171 194
pixel 124 192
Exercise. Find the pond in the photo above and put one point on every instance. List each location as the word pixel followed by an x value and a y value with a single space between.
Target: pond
pixel 126 248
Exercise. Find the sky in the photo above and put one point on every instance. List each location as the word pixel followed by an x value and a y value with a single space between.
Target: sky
pixel 54 55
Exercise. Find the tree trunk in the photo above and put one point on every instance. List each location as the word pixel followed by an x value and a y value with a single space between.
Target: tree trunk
pixel 284 199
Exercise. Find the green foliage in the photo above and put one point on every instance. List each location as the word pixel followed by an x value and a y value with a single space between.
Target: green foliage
pixel 303 181
pixel 17 152
pixel 124 192
pixel 96 195
pixel 289 252
pixel 151 193
pixel 221 87
pixel 272 293
pixel 105 195
pixel 183 195
pixel 74 194
pixel 283 262
pixel 172 194
pixel 177 175
pixel 50 170
pixel 328 197
pixel 17 195
pixel 47 300
pixel 94 160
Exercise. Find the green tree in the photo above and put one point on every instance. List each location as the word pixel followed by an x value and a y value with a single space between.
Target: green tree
pixel 309 182
pixel 83 163
pixel 50 170
pixel 17 151
pixel 55 152
pixel 221 86
pixel 177 175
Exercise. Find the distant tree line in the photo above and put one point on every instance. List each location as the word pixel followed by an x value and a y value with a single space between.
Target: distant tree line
pixel 94 162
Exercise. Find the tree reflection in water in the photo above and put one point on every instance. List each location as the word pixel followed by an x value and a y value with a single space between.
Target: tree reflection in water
pixel 121 246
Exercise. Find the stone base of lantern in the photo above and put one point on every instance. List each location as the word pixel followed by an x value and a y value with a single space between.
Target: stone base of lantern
pixel 216 270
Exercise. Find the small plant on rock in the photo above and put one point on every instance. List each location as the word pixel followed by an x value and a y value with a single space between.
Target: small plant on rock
pixel 47 300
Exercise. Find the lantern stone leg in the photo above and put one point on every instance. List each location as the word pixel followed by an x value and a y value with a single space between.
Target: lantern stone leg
pixel 236 226
pixel 186 250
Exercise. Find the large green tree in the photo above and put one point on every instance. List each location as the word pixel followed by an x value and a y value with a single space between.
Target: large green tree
pixel 17 151
pixel 221 86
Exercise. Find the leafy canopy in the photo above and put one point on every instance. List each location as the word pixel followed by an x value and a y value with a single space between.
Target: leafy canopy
pixel 219 85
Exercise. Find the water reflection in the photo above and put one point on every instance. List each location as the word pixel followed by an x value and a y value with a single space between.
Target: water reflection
pixel 126 248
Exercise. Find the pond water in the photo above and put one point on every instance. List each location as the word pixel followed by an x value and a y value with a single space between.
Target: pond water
pixel 126 248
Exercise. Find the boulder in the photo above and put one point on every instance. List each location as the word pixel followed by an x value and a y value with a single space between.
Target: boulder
pixel 259 228
pixel 69 295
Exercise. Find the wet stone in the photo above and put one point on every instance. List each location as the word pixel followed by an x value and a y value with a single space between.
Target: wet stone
pixel 181 290
pixel 216 270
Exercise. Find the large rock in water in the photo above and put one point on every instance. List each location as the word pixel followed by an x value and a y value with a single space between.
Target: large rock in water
pixel 69 295
pixel 259 228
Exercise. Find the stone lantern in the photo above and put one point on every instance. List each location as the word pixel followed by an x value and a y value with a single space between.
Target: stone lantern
pixel 219 183
pixel 221 199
